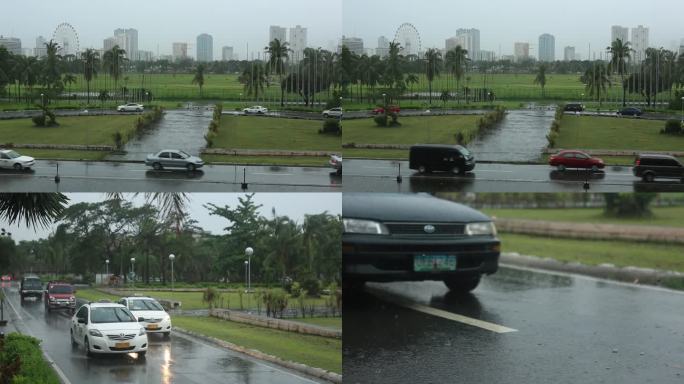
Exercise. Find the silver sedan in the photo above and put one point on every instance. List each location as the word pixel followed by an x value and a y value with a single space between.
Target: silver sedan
pixel 173 158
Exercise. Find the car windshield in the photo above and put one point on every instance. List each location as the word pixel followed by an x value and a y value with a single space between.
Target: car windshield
pixel 12 154
pixel 61 289
pixel 111 315
pixel 183 154
pixel 465 151
pixel 32 284
pixel 144 305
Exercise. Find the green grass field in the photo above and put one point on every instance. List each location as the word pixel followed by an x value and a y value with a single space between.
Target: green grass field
pixel 315 351
pixel 588 132
pixel 82 130
pixel 330 322
pixel 662 216
pixel 594 252
pixel 413 130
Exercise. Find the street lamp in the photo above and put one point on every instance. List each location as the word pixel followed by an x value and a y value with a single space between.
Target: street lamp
pixel 42 99
pixel 171 258
pixel 246 266
pixel 107 268
pixel 133 271
pixel 249 252
pixel 682 109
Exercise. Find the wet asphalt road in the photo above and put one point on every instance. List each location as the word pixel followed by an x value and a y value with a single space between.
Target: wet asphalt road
pixel 381 176
pixel 565 329
pixel 136 177
pixel 178 359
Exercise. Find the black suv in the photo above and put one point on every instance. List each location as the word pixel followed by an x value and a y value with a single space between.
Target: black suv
pixel 404 237
pixel 438 157
pixel 650 167
pixel 573 107
pixel 31 286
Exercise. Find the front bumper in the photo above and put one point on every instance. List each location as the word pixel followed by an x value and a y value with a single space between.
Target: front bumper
pixel 390 258
pixel 61 304
pixel 29 293
pixel 107 345
pixel 158 327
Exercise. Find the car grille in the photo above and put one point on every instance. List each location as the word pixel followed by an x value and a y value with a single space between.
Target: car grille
pixel 153 320
pixel 123 349
pixel 121 338
pixel 441 229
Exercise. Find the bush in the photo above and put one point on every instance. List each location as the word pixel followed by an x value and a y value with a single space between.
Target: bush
pixel 312 286
pixel 552 137
pixel 275 302
pixel 209 138
pixel 295 290
pixel 381 120
pixel 39 121
pixel 673 127
pixel 21 361
pixel 331 126
pixel 211 297
pixel 118 140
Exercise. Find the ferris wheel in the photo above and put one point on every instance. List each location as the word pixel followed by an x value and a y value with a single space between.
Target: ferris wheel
pixel 67 39
pixel 407 35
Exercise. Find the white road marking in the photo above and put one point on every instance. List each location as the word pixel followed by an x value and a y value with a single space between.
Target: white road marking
pixel 439 312
pixel 273 174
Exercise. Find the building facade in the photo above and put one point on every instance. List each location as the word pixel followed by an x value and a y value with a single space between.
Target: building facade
pixel 277 32
pixel 383 47
pixel 521 51
pixel 471 41
pixel 355 45
pixel 569 54
pixel 547 48
pixel 619 32
pixel 12 44
pixel 227 54
pixel 205 48
pixel 298 41
pixel 639 42
pixel 127 39
pixel 180 51
pixel 40 50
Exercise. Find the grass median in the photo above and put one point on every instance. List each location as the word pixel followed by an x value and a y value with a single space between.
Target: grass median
pixel 81 130
pixel 315 351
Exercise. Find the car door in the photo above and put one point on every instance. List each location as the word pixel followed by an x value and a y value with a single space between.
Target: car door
pixel 164 159
pixel 78 328
pixel 672 169
pixel 581 160
pixel 177 160
pixel 4 161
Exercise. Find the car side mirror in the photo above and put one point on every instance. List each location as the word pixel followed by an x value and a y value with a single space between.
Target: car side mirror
pixel 81 320
pixel 141 319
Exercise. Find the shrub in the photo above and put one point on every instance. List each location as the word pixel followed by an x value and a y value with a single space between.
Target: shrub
pixel 312 286
pixel 39 121
pixel 211 297
pixel 295 289
pixel 118 140
pixel 460 138
pixel 275 302
pixel 21 361
pixel 381 120
pixel 331 126
pixel 551 138
pixel 673 127
pixel 395 120
pixel 209 138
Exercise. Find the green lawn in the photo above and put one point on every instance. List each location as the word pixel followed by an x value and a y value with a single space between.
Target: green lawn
pixel 330 322
pixel 413 130
pixel 316 351
pixel 588 132
pixel 83 130
pixel 594 252
pixel 63 154
pixel 662 216
pixel 94 295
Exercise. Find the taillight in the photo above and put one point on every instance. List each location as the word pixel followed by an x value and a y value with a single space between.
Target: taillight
pixel 637 162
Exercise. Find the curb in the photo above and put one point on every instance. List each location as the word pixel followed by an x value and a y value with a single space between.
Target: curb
pixel 302 368
pixel 633 275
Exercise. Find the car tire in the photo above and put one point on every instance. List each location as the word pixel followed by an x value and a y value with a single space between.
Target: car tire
pixel 561 168
pixel 74 344
pixel 594 168
pixel 649 177
pixel 18 167
pixel 422 169
pixel 86 347
pixel 191 167
pixel 462 285
pixel 456 170
pixel 167 334
pixel 141 355
pixel 157 167
pixel 326 115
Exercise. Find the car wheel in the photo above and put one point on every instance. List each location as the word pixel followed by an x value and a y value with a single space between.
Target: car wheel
pixel 649 177
pixel 191 167
pixel 422 169
pixel 339 172
pixel 167 334
pixel 456 170
pixel 86 346
pixel 18 167
pixel 157 166
pixel 326 115
pixel 561 168
pixel 462 285
pixel 141 355
pixel 73 341
pixel 594 168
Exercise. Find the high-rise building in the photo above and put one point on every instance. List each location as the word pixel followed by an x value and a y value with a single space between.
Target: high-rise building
pixel 355 44
pixel 227 54
pixel 40 50
pixel 619 32
pixel 127 39
pixel 145 55
pixel 521 51
pixel 639 42
pixel 298 42
pixel 569 54
pixel 12 44
pixel 205 48
pixel 276 32
pixel 109 43
pixel 180 51
pixel 547 48
pixel 383 47
pixel 486 55
pixel 681 47
pixel 470 37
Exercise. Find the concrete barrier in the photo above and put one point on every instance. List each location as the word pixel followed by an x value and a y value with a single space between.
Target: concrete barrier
pixel 269 322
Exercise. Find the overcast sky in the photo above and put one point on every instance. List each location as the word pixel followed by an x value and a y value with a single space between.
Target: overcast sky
pixel 294 205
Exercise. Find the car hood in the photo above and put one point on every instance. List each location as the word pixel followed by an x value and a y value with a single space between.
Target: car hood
pixel 194 159
pixel 61 296
pixel 117 327
pixel 406 208
pixel 150 314
pixel 24 159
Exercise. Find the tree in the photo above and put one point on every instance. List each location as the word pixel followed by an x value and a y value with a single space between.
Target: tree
pixel 91 62
pixel 253 78
pixel 541 77
pixel 26 72
pixel 278 53
pixel 433 62
pixel 456 63
pixel 112 62
pixel 35 209
pixel 51 71
pixel 199 77
pixel 394 76
pixel 628 204
pixel 596 80
pixel 67 80
pixel 620 53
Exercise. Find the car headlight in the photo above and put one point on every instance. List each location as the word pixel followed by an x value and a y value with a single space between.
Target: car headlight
pixel 95 332
pixel 480 229
pixel 142 331
pixel 364 226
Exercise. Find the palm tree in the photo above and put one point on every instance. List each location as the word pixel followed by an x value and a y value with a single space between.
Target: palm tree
pixel 620 54
pixel 596 79
pixel 35 209
pixel 456 62
pixel 25 71
pixel 68 79
pixel 411 79
pixel 393 72
pixel 199 77
pixel 91 61
pixel 433 62
pixel 278 53
pixel 112 61
pixel 541 77
pixel 51 72
pixel 254 78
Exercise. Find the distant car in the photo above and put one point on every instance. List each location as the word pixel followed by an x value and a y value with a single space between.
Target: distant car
pixel 173 158
pixel 31 286
pixel 630 111
pixel 107 328
pixel 652 166
pixel 333 112
pixel 255 110
pixel 575 159
pixel 573 107
pixel 427 158
pixel 336 163
pixel 59 295
pixel 415 237
pixel 6 278
pixel 130 107
pixel 13 160
pixel 381 110
pixel 149 313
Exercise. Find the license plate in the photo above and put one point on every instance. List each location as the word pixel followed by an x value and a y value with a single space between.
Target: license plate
pixel 121 345
pixel 153 326
pixel 434 263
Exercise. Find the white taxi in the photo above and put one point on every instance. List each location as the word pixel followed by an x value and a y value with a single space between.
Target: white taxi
pixel 150 313
pixel 108 328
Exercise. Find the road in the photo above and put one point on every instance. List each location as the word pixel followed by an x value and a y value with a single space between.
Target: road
pixel 519 326
pixel 136 177
pixel 178 359
pixel 381 176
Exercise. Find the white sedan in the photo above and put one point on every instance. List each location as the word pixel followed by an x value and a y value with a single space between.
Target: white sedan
pixel 150 314
pixel 13 160
pixel 333 112
pixel 107 328
pixel 130 107
pixel 257 110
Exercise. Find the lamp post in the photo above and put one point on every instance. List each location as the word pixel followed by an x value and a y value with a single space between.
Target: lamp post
pixel 171 258
pixel 246 266
pixel 133 271
pixel 42 99
pixel 682 109
pixel 107 268
pixel 249 252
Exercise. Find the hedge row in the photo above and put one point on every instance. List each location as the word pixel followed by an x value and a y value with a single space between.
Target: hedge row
pixel 214 125
pixel 21 361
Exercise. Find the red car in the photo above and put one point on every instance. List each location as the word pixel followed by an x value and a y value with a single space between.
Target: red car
pixel 381 110
pixel 575 159
pixel 6 278
pixel 59 295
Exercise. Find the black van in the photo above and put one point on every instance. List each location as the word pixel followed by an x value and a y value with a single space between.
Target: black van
pixel 438 157
pixel 573 107
pixel 31 286
pixel 651 166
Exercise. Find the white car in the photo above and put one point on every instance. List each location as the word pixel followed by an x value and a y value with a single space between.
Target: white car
pixel 333 112
pixel 107 328
pixel 11 159
pixel 336 163
pixel 257 109
pixel 130 107
pixel 150 314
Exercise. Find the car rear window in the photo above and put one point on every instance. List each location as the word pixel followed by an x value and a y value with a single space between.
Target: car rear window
pixel 144 305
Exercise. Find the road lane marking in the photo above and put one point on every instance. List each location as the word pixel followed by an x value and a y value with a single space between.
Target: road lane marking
pixel 439 312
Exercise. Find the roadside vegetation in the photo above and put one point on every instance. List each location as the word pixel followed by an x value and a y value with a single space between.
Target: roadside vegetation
pixel 21 361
